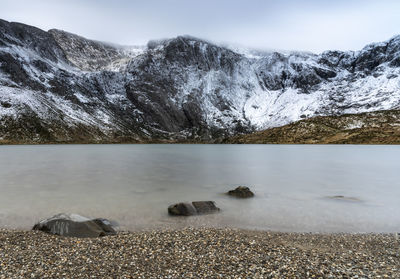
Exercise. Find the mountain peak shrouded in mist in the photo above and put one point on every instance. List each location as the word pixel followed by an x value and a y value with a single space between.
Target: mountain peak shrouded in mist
pixel 56 86
pixel 310 25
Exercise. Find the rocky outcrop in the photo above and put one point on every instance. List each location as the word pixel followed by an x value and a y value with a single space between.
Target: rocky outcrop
pixel 241 192
pixel 60 87
pixel 194 208
pixel 73 225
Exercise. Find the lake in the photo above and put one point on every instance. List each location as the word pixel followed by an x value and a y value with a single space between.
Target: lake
pixel 135 184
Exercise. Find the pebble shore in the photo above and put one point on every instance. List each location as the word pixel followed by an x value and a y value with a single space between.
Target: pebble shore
pixel 199 253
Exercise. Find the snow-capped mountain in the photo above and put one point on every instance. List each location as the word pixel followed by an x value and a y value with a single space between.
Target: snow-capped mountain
pixel 60 87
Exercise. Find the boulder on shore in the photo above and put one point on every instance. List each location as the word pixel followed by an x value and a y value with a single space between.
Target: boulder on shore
pixel 241 192
pixel 74 225
pixel 194 208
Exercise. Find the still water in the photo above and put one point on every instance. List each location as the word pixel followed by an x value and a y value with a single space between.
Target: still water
pixel 134 185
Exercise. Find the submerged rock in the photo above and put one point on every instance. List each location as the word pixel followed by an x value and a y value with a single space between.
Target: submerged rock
pixel 74 225
pixel 241 192
pixel 194 208
pixel 344 198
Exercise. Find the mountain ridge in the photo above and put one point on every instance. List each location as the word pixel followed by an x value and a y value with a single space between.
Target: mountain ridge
pixel 61 87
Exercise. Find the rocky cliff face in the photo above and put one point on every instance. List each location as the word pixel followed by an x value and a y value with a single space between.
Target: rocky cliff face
pixel 60 87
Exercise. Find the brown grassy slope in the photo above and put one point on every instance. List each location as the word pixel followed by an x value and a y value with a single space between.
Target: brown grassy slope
pixel 381 127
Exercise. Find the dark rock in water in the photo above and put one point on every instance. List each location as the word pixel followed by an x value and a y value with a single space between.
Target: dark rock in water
pixel 204 207
pixel 183 208
pixel 74 225
pixel 194 208
pixel 241 192
pixel 344 198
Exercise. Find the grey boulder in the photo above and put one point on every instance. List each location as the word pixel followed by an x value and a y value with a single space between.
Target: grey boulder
pixel 74 225
pixel 193 208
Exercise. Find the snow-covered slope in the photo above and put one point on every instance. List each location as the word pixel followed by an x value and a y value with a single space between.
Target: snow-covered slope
pixel 56 85
pixel 90 55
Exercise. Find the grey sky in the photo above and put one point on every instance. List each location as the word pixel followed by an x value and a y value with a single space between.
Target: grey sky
pixel 312 25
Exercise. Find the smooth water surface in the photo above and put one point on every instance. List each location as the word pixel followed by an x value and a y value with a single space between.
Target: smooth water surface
pixel 134 185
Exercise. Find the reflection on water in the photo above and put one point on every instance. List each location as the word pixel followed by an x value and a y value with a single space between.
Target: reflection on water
pixel 134 184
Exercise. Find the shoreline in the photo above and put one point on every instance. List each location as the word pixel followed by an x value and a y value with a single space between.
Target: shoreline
pixel 199 253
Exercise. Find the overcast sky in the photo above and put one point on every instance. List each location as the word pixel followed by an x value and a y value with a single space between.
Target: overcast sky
pixel 311 25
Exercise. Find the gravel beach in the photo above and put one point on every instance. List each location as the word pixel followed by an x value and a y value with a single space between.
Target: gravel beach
pixel 199 253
